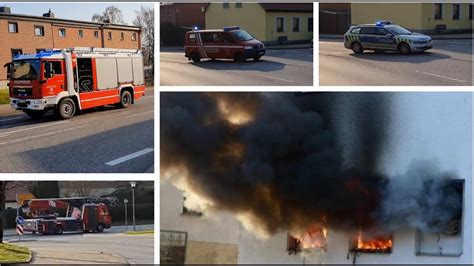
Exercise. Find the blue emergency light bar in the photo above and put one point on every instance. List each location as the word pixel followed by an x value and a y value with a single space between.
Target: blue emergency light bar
pixel 383 22
pixel 231 28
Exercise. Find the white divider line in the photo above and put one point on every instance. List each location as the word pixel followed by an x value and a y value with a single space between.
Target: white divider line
pixel 129 157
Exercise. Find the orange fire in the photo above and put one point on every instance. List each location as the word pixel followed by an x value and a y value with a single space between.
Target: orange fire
pixel 374 243
pixel 314 238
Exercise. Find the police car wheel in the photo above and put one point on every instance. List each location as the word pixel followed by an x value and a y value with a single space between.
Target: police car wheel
pixel 404 48
pixel 34 114
pixel 195 57
pixel 357 48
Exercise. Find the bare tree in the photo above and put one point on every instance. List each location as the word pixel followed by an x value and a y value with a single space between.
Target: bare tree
pixel 112 14
pixel 145 19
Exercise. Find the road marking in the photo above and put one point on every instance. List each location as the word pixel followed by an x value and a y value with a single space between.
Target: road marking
pixel 129 157
pixel 440 76
pixel 13 118
pixel 286 80
pixel 141 113
pixel 30 128
pixel 41 135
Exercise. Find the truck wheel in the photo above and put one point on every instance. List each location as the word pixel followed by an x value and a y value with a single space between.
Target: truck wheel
pixel 357 48
pixel 34 114
pixel 404 48
pixel 100 228
pixel 125 99
pixel 195 57
pixel 58 230
pixel 239 57
pixel 66 108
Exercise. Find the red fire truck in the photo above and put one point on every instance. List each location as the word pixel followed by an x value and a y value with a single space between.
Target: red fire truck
pixel 228 43
pixel 58 215
pixel 71 80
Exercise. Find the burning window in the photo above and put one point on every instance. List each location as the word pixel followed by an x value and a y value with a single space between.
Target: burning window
pixel 315 238
pixel 189 211
pixel 365 242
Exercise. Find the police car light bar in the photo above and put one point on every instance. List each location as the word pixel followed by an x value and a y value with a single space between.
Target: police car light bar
pixel 383 22
pixel 231 28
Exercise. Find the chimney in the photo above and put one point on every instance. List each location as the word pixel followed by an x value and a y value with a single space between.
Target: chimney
pixel 5 10
pixel 106 21
pixel 49 14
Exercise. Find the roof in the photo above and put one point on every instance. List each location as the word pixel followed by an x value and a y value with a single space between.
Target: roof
pixel 68 21
pixel 288 7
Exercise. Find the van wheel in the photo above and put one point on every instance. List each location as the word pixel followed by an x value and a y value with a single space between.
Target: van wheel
pixel 404 48
pixel 239 57
pixel 58 230
pixel 100 228
pixel 357 48
pixel 34 114
pixel 195 57
pixel 66 108
pixel 256 58
pixel 125 99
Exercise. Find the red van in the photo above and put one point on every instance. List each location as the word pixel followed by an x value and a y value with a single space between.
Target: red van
pixel 228 43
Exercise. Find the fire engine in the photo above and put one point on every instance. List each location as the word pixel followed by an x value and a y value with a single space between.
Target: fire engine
pixel 228 43
pixel 71 80
pixel 58 215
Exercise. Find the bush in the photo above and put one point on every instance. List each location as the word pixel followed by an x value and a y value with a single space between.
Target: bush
pixel 4 97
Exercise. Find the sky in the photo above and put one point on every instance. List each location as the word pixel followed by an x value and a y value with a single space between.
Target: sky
pixel 76 11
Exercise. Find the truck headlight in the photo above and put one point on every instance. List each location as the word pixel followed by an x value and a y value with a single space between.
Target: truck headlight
pixel 248 47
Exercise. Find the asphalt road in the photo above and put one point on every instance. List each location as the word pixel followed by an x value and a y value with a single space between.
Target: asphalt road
pixel 292 67
pixel 449 63
pixel 111 246
pixel 103 140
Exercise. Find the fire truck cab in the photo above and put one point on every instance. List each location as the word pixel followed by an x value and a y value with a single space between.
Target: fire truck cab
pixel 71 80
pixel 228 43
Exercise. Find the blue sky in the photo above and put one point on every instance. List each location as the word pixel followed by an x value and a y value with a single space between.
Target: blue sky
pixel 78 11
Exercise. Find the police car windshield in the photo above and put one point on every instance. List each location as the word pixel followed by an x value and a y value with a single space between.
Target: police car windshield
pixel 242 35
pixel 25 69
pixel 397 30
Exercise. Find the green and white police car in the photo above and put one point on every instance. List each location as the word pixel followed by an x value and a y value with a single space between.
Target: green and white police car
pixel 385 36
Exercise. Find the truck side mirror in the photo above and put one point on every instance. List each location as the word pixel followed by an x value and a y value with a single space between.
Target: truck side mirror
pixel 48 70
pixel 9 69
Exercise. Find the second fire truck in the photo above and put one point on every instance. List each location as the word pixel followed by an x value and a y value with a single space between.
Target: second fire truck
pixel 71 80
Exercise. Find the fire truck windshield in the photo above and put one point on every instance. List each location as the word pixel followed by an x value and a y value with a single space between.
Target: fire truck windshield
pixel 242 35
pixel 25 69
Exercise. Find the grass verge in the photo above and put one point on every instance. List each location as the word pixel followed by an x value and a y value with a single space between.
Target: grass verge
pixel 14 254
pixel 143 232
pixel 4 96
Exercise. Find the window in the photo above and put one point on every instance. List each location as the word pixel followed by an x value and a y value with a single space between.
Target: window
pixel 367 30
pixel 381 31
pixel 280 24
pixel 210 37
pixel 122 36
pixel 12 27
pixel 134 36
pixel 238 5
pixel 81 34
pixel 16 52
pixel 39 50
pixel 226 38
pixel 62 33
pixel 356 30
pixel 456 11
pixel 296 24
pixel 96 34
pixel 109 34
pixel 39 31
pixel 470 11
pixel 56 67
pixel 310 24
pixel 438 11
pixel 225 5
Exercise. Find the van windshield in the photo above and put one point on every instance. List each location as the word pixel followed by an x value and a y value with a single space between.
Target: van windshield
pixel 25 69
pixel 242 35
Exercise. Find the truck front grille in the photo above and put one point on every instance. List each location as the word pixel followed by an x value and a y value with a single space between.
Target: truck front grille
pixel 23 91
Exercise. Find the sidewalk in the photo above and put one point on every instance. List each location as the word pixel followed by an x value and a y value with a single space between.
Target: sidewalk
pixel 433 36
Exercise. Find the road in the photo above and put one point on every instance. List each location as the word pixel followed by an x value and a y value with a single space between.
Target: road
pixel 111 246
pixel 103 140
pixel 291 67
pixel 449 63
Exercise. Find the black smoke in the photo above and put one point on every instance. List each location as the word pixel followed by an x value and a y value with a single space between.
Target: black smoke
pixel 300 158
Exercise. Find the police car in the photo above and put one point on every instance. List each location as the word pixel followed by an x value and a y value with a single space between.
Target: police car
pixel 383 35
pixel 228 43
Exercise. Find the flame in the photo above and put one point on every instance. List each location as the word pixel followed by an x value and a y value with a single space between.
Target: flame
pixel 234 114
pixel 374 244
pixel 314 238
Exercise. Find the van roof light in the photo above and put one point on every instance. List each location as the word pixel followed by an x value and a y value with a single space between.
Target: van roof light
pixel 231 28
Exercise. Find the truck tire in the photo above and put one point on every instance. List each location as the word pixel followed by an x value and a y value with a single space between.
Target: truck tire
pixel 357 48
pixel 195 57
pixel 125 99
pixel 100 228
pixel 404 48
pixel 34 114
pixel 66 108
pixel 58 230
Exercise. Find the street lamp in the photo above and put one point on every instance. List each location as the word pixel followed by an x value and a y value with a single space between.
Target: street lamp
pixel 133 185
pixel 125 201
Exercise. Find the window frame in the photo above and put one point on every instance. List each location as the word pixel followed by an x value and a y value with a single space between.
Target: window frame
pixel 312 24
pixel 452 11
pixel 226 5
pixel 80 34
pixel 293 24
pixel 96 34
pixel 134 36
pixel 62 30
pixel 109 35
pixel 470 11
pixel 122 36
pixel 441 11
pixel 16 27
pixel 283 24
pixel 41 29
pixel 239 5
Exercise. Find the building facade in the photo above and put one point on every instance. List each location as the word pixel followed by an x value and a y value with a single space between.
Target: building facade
pixel 421 17
pixel 23 34
pixel 270 23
